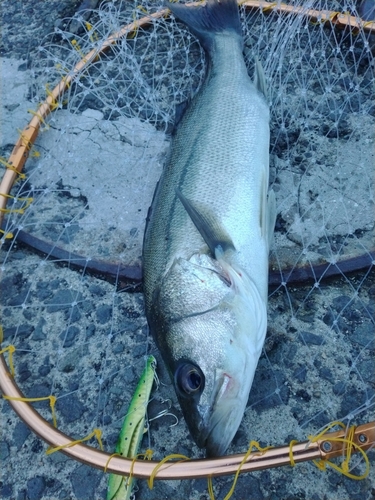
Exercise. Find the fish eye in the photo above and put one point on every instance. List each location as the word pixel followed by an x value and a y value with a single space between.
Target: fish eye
pixel 189 379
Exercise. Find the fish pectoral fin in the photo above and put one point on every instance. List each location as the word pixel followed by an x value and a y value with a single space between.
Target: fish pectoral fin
pixel 206 223
pixel 260 79
pixel 271 215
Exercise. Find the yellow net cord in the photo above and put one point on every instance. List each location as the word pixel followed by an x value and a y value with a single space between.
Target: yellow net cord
pixel 10 350
pixel 13 168
pixel 348 440
pixel 150 481
pixel 253 444
pixel 52 402
pixel 21 210
pixel 95 433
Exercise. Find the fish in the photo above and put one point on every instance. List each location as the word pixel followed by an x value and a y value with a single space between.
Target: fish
pixel 208 234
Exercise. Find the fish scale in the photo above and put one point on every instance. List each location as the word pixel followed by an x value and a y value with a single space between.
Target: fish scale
pixel 211 162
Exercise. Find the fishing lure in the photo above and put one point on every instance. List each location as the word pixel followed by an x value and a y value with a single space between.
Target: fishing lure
pixel 133 428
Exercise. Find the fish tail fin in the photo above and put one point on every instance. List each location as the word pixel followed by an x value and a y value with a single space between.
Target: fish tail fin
pixel 216 16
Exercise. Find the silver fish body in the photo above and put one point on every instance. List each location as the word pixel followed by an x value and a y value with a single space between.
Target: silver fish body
pixel 207 239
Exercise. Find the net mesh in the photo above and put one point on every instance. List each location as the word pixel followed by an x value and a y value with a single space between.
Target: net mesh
pixel 82 336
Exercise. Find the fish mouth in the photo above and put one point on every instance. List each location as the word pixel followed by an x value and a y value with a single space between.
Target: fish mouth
pixel 224 418
pixel 219 438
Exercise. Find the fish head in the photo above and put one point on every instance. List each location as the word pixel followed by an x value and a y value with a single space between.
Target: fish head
pixel 212 387
pixel 209 338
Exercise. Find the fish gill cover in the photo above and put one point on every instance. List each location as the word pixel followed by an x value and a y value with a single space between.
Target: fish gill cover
pixel 91 175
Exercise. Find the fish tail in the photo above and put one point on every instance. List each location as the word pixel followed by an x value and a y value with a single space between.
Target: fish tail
pixel 216 16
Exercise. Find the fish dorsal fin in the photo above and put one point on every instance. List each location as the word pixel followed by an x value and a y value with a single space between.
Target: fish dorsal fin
pixel 206 223
pixel 260 79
